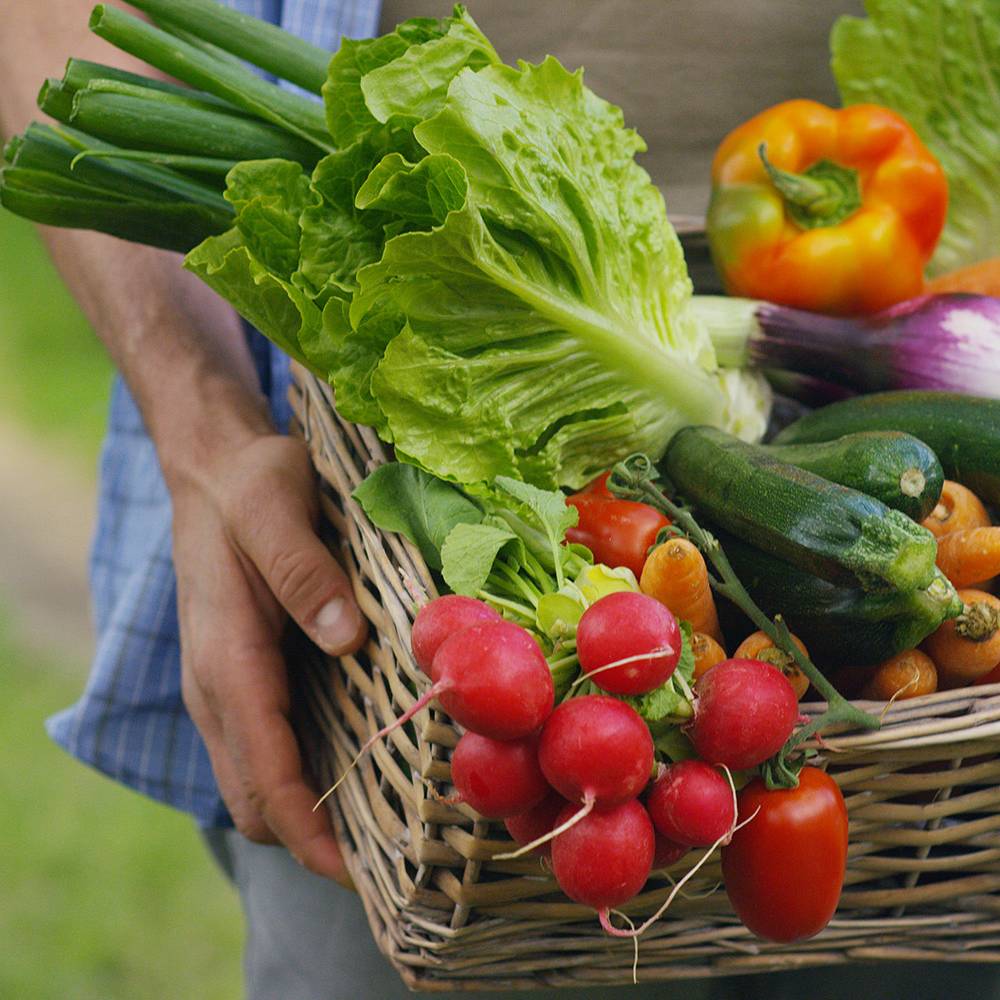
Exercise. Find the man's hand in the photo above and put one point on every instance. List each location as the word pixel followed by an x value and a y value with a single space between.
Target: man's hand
pixel 246 552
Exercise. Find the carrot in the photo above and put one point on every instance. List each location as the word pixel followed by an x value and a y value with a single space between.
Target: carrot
pixel 676 575
pixel 707 652
pixel 983 278
pixel 967 647
pixel 758 646
pixel 958 509
pixel 970 558
pixel 906 675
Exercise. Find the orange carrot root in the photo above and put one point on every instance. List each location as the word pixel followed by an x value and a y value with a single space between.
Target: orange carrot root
pixel 675 574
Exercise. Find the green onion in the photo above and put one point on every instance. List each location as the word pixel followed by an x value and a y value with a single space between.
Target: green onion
pixel 56 99
pixel 262 44
pixel 180 161
pixel 221 77
pixel 81 72
pixel 53 200
pixel 55 150
pixel 155 121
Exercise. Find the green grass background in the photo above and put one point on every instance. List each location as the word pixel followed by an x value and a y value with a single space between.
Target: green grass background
pixel 105 894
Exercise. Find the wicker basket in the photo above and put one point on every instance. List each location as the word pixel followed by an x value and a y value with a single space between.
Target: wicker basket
pixel 923 793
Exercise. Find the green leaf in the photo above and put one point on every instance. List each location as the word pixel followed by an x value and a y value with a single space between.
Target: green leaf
pixel 468 555
pixel 398 497
pixel 421 195
pixel 276 307
pixel 685 665
pixel 673 744
pixel 269 196
pixel 937 63
pixel 547 326
pixel 552 512
pixel 347 113
pixel 413 86
pixel 338 237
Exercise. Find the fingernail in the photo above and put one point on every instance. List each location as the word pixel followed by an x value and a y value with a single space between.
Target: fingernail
pixel 336 625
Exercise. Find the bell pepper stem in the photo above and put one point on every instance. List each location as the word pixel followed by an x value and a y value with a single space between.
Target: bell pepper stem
pixel 823 195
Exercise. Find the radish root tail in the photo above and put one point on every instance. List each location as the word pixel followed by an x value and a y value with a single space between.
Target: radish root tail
pixel 656 654
pixel 606 923
pixel 585 810
pixel 609 928
pixel 420 703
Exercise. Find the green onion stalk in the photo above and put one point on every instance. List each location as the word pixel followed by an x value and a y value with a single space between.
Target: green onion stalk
pixel 145 159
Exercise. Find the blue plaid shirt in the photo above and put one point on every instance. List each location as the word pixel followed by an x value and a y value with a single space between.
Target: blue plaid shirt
pixel 130 722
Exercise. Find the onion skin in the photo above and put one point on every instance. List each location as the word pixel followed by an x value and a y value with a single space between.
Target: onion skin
pixel 945 342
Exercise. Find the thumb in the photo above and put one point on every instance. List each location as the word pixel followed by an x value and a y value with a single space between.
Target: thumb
pixel 306 580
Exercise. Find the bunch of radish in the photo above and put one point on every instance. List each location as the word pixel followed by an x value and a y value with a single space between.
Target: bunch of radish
pixel 579 781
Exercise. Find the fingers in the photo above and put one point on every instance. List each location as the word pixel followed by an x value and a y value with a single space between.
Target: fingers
pixel 244 814
pixel 265 755
pixel 237 695
pixel 273 526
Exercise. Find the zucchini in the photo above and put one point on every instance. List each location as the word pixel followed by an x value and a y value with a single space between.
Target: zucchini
pixel 841 625
pixel 896 468
pixel 963 431
pixel 829 530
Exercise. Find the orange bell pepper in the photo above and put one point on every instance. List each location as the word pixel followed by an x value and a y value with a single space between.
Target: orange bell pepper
pixel 836 211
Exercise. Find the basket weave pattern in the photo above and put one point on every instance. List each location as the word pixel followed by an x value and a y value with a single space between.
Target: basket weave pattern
pixel 923 795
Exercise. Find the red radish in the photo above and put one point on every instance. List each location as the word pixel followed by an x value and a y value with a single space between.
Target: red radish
pixel 666 851
pixel 442 617
pixel 596 749
pixel 490 678
pixel 493 679
pixel 692 803
pixel 537 821
pixel 744 711
pixel 604 859
pixel 631 627
pixel 498 779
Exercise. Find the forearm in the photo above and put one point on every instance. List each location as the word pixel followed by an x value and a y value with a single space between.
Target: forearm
pixel 180 348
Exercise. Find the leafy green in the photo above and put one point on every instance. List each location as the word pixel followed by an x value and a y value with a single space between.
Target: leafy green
pixel 547 328
pixel 399 74
pixel 937 63
pixel 276 307
pixel 269 197
pixel 425 510
pixel 468 555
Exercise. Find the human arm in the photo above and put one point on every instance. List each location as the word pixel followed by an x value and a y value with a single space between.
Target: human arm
pixel 243 497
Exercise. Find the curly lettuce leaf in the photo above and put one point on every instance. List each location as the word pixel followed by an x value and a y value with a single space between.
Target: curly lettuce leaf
pixel 275 306
pixel 402 76
pixel 547 330
pixel 937 63
pixel 269 197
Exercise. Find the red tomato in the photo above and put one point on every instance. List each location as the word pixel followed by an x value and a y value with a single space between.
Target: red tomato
pixel 784 870
pixel 598 487
pixel 618 532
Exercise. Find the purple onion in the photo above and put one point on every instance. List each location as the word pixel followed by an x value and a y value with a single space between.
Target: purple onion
pixel 949 342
